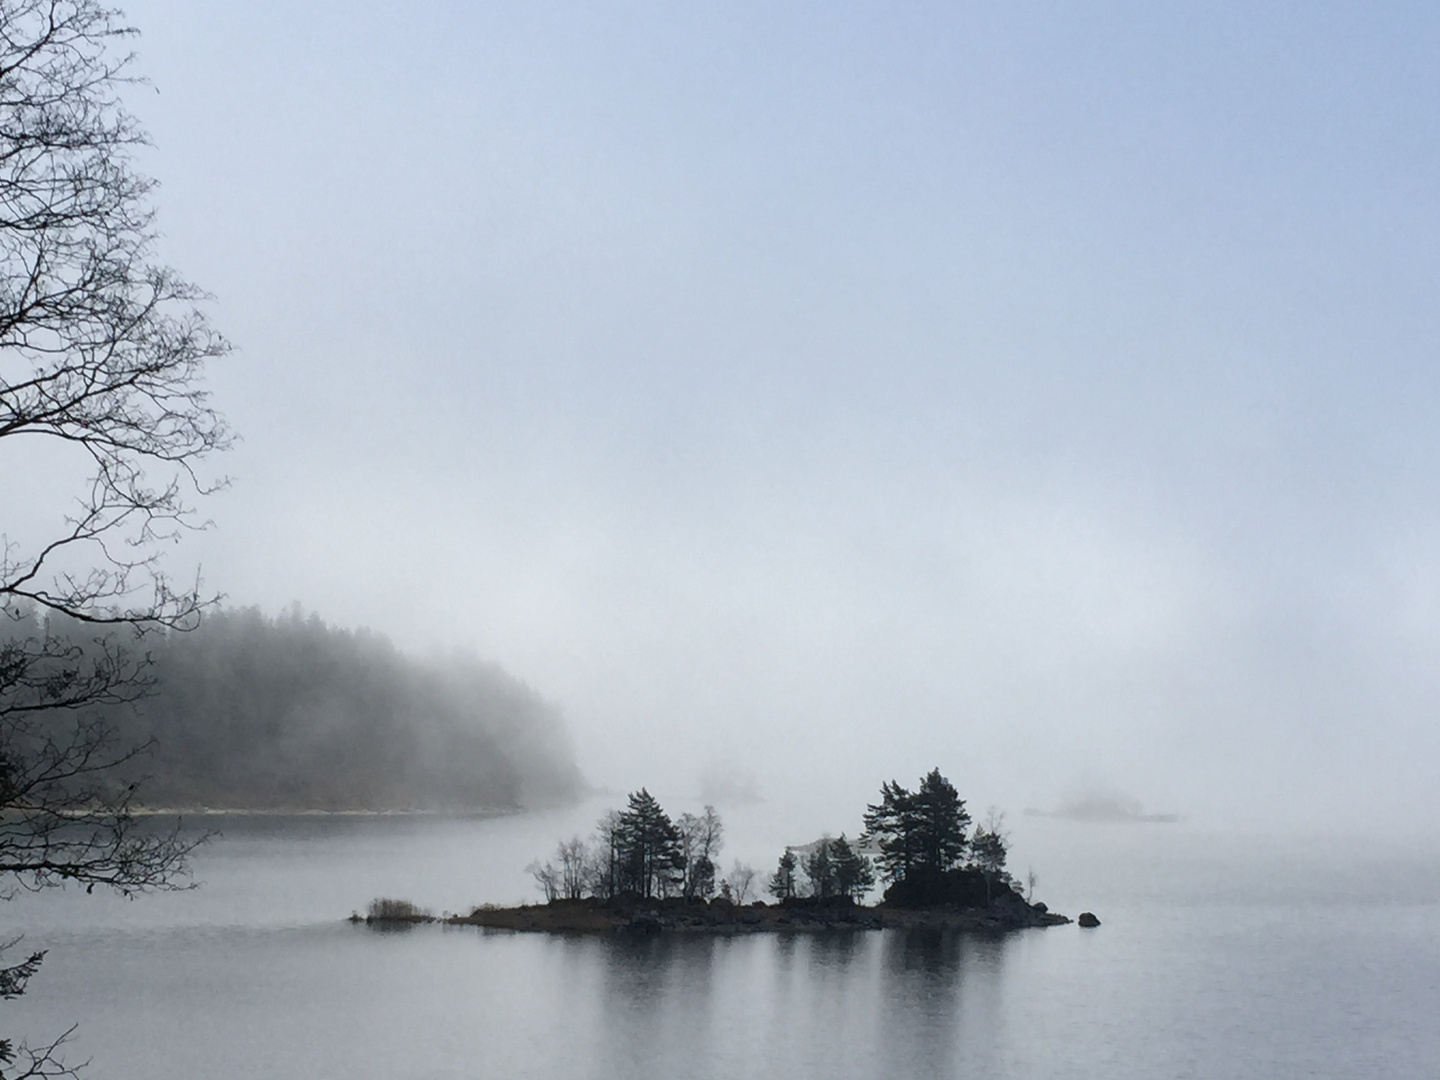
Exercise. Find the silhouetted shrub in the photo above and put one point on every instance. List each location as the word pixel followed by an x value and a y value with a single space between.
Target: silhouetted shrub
pixel 386 909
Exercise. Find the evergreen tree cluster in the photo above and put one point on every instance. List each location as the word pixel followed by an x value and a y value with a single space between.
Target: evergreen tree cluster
pixel 926 852
pixel 833 869
pixel 920 833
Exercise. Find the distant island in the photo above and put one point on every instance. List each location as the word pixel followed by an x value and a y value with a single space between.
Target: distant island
pixel 288 714
pixel 645 872
pixel 1104 808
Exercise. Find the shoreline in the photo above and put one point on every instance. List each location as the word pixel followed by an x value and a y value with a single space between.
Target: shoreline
pixel 721 917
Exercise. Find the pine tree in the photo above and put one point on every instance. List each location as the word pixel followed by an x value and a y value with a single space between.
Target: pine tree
pixel 820 870
pixel 890 822
pixel 921 834
pixel 649 847
pixel 854 876
pixel 941 821
pixel 782 882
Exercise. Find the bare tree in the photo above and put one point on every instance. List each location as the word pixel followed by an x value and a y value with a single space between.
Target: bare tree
pixel 102 350
pixel 547 879
pixel 740 882
pixel 573 857
pixel 700 843
pixel 568 875
pixel 604 869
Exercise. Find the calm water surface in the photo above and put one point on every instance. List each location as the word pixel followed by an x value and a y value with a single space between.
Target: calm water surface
pixel 1219 957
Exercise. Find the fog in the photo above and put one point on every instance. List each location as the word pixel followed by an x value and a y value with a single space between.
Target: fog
pixel 246 712
pixel 806 396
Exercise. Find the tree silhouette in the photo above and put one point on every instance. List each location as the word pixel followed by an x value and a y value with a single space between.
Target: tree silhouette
pixel 854 876
pixel 782 882
pixel 820 871
pixel 940 822
pixel 891 823
pixel 651 862
pixel 701 838
pixel 921 834
pixel 988 851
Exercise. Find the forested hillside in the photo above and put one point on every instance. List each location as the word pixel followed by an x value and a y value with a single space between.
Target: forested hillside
pixel 251 712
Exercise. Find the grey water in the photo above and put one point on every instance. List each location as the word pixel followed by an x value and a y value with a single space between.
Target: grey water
pixel 1224 956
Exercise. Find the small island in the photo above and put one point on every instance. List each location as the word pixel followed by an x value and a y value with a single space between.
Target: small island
pixel 720 916
pixel 644 872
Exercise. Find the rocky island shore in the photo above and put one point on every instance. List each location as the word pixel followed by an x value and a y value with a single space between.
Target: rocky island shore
pixel 720 916
pixel 590 915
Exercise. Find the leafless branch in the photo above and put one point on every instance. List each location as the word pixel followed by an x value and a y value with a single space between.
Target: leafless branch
pixel 102 356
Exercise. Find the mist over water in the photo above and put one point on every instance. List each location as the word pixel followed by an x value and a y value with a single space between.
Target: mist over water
pixel 286 713
pixel 1042 393
pixel 758 403
pixel 1217 958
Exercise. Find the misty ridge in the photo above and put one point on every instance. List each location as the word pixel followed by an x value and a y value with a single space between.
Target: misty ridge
pixel 250 712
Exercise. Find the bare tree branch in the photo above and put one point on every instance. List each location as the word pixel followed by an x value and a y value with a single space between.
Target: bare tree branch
pixel 102 354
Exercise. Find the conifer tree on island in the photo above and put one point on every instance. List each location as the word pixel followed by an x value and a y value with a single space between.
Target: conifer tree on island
pixel 854 876
pixel 820 871
pixel 102 350
pixel 921 836
pixel 936 870
pixel 782 882
pixel 651 862
pixel 988 853
pixel 834 869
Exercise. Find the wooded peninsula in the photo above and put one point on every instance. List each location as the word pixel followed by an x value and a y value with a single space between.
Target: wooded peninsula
pixel 253 713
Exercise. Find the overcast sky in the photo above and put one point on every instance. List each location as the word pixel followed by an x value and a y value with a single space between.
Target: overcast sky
pixel 1044 391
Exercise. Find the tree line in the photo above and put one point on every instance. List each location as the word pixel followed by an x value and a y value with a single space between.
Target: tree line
pixel 926 853
pixel 249 712
pixel 641 851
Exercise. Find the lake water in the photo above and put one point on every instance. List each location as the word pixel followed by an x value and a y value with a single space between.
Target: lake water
pixel 1220 957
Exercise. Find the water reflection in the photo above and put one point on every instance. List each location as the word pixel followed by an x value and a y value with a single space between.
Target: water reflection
pixel 836 949
pixel 176 985
pixel 654 1004
pixel 940 996
pixel 850 1004
pixel 861 1005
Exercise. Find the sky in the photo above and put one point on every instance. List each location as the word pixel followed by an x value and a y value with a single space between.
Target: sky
pixel 826 391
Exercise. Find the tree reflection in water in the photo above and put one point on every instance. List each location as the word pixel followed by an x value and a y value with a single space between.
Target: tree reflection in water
pixel 940 995
pixel 850 1004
